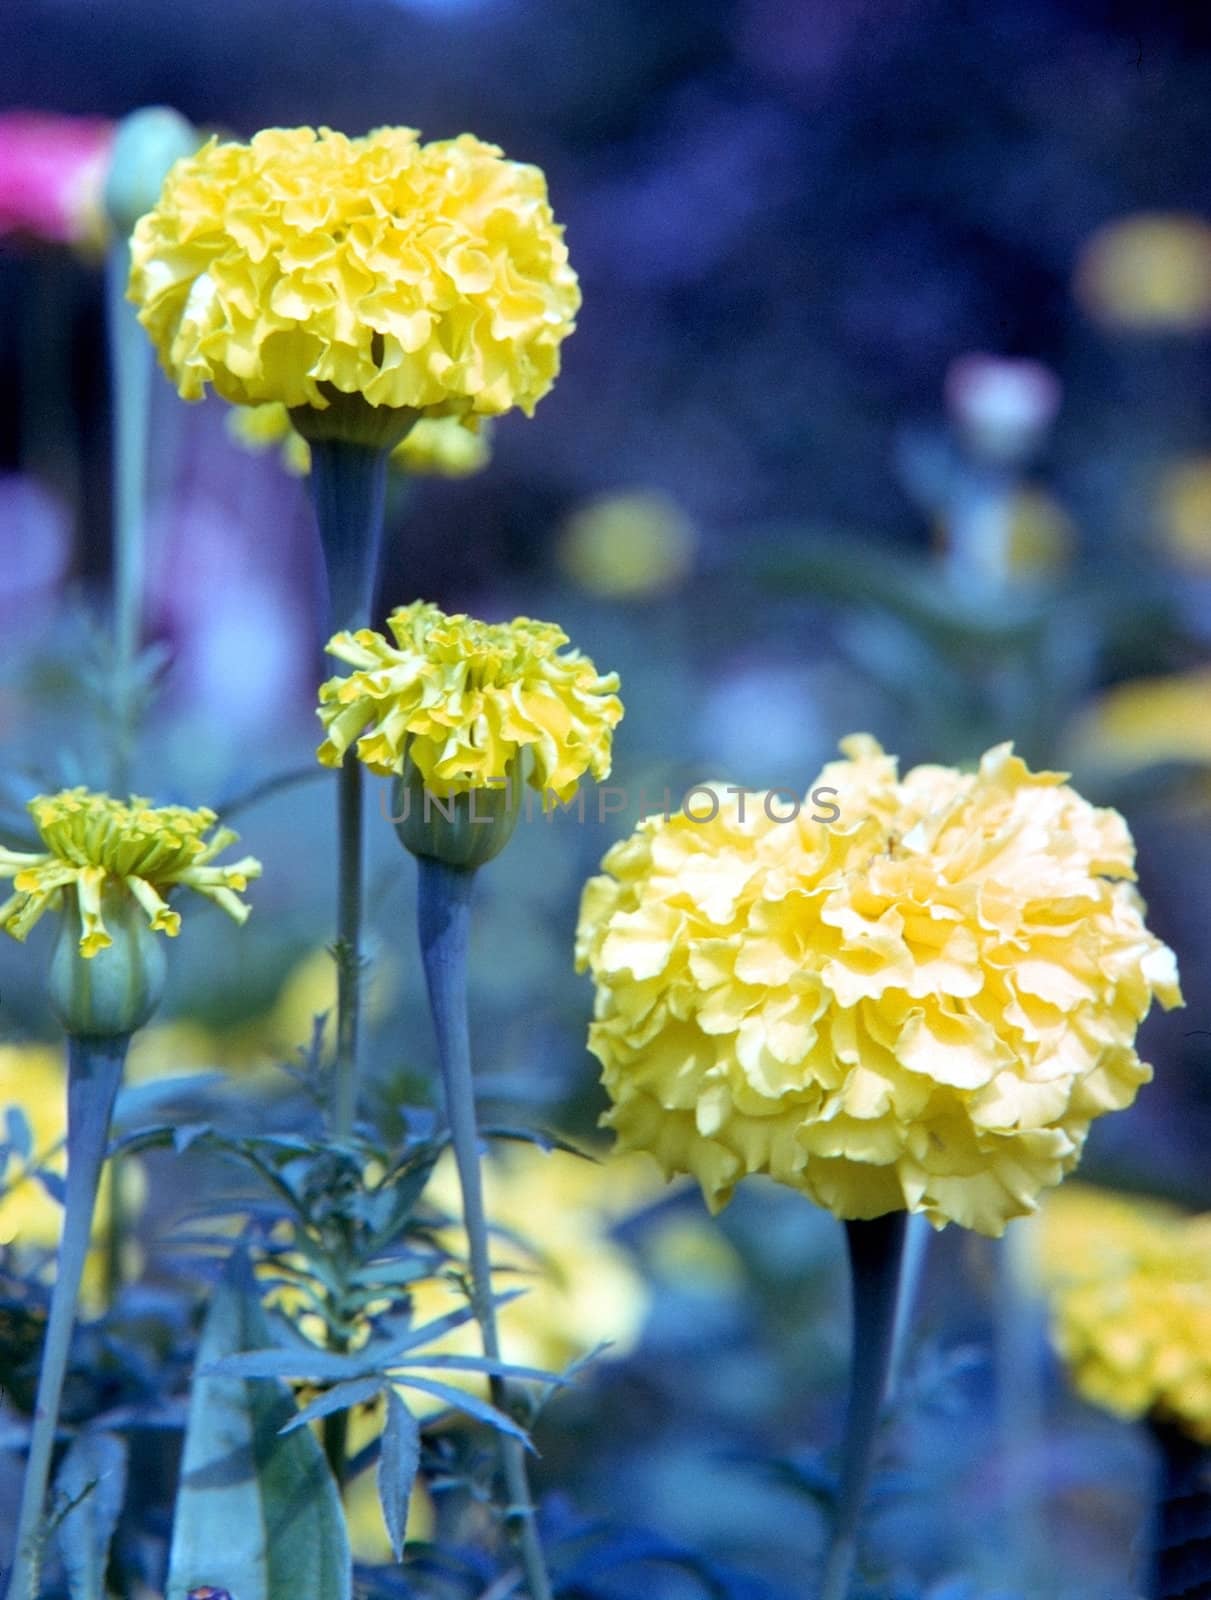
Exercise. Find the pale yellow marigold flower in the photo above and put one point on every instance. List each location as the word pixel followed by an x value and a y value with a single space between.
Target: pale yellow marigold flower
pixel 464 699
pixel 422 276
pixel 922 1005
pixel 1129 1285
pixel 435 447
pixel 98 847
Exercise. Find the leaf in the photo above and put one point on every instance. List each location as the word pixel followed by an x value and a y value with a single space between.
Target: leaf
pixel 341 1397
pixel 319 1365
pixel 257 1513
pixel 92 1482
pixel 460 1400
pixel 399 1458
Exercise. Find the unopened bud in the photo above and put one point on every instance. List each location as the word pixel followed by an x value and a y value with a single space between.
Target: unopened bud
pixel 146 145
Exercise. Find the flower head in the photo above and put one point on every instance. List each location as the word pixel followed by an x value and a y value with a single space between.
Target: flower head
pixel 462 700
pixel 1129 1284
pixel 423 276
pixel 99 849
pixel 920 1006
pixel 1148 272
pixel 439 447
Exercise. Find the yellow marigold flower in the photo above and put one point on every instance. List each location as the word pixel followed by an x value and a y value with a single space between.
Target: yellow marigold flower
pixel 423 276
pixel 1129 1284
pixel 463 699
pixel 438 447
pixel 920 1006
pixel 97 847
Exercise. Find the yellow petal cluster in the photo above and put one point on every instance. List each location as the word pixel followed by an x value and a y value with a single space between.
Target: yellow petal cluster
pixel 429 276
pixel 98 847
pixel 922 1005
pixel 1129 1284
pixel 464 699
pixel 434 447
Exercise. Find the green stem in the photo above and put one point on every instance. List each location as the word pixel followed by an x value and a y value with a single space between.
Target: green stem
pixel 348 483
pixel 130 366
pixel 444 919
pixel 876 1250
pixel 94 1073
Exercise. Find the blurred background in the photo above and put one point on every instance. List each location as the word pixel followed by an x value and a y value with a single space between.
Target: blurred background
pixel 889 409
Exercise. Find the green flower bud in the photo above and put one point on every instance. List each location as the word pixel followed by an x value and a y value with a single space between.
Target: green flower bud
pixel 463 830
pixel 113 992
pixel 146 145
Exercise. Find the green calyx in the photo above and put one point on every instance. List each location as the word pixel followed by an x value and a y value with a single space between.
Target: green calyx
pixel 115 991
pixel 351 419
pixel 464 830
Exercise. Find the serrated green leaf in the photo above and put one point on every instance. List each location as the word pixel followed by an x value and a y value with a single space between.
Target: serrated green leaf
pixel 91 1483
pixel 257 1512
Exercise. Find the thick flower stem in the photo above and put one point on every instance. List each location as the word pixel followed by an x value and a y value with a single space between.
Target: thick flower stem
pixel 444 917
pixel 348 482
pixel 876 1250
pixel 1178 1559
pixel 94 1073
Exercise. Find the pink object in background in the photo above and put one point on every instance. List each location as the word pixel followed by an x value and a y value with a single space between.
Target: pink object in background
pixel 52 174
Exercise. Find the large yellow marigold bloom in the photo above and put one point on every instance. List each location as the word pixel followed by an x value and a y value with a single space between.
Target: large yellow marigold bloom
pixel 435 447
pixel 464 699
pixel 920 1006
pixel 426 276
pixel 1129 1283
pixel 97 846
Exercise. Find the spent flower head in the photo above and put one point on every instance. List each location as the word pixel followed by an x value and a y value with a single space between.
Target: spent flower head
pixel 922 1006
pixel 463 700
pixel 423 277
pixel 99 849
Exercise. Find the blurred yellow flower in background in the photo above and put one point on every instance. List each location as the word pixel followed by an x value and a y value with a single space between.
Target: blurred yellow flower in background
pixel 626 546
pixel 552 1217
pixel 1148 272
pixel 438 447
pixel 33 1077
pixel 430 277
pixel 1145 722
pixel 1184 512
pixel 922 1005
pixel 463 699
pixel 98 848
pixel 1129 1285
